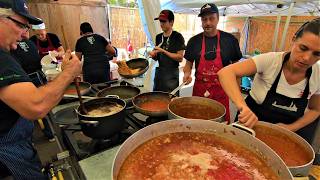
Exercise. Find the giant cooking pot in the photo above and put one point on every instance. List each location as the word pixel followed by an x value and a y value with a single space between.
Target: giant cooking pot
pixel 293 149
pixel 228 134
pixel 196 108
pixel 100 127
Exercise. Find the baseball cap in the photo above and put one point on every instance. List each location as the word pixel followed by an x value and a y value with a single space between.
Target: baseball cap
pixel 165 15
pixel 20 7
pixel 208 8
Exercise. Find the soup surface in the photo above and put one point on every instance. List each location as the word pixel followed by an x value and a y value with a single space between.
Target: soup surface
pixel 106 110
pixel 196 111
pixel 73 90
pixel 155 105
pixel 291 152
pixel 196 156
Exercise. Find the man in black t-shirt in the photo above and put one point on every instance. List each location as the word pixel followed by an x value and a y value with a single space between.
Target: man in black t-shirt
pixel 46 42
pixel 20 101
pixel 27 55
pixel 168 52
pixel 96 51
pixel 211 50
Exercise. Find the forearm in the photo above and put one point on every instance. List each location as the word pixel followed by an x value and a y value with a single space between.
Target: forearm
pixel 175 56
pixel 307 118
pixel 40 101
pixel 188 67
pixel 230 83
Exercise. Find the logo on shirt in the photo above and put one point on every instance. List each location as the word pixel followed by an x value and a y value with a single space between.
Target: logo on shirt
pixel 91 39
pixel 292 106
pixel 24 46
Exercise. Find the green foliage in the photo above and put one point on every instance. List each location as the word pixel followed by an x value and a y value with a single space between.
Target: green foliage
pixel 124 3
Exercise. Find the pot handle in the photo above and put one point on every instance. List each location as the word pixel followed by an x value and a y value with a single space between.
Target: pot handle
pixel 112 96
pixel 89 122
pixel 244 128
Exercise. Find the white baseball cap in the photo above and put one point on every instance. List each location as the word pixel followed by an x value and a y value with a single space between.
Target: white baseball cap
pixel 39 26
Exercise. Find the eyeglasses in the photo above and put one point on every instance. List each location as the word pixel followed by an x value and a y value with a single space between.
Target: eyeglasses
pixel 23 26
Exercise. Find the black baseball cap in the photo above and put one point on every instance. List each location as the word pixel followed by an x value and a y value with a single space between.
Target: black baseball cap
pixel 20 7
pixel 165 15
pixel 208 9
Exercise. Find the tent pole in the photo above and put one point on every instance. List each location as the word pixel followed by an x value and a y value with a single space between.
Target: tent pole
pixel 276 32
pixel 286 27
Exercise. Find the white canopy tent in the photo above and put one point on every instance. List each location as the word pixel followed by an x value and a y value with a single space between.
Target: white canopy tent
pixel 247 8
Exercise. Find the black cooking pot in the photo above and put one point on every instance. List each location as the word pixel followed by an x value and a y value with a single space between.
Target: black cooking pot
pixel 103 126
pixel 125 93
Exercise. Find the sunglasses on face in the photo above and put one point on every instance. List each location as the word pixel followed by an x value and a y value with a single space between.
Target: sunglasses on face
pixel 21 25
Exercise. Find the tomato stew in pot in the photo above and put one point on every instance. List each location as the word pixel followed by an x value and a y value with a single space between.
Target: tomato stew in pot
pixel 291 152
pixel 193 155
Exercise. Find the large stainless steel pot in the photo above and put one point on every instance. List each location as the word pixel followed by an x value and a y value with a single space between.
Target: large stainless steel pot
pixel 185 125
pixel 302 170
pixel 180 108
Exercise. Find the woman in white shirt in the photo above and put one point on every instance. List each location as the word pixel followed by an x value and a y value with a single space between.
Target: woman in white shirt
pixel 286 86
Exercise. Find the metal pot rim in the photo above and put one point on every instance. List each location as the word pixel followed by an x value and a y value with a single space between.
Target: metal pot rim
pixel 296 137
pixel 188 123
pixel 123 107
pixel 195 97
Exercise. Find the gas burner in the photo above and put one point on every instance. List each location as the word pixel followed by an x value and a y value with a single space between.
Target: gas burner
pixel 82 146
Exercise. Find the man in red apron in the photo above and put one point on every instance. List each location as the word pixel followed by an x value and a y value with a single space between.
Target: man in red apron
pixel 46 42
pixel 211 50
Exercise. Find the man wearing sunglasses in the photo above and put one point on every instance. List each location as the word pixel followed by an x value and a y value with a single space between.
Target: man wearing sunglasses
pixel 21 101
pixel 211 50
pixel 168 52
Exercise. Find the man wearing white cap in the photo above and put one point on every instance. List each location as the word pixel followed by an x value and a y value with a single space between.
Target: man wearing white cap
pixel 21 101
pixel 46 42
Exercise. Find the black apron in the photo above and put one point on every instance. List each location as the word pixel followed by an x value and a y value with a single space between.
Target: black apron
pixel 17 153
pixel 96 69
pixel 277 108
pixel 167 75
pixel 166 79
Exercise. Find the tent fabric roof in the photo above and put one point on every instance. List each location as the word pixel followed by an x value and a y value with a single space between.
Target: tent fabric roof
pixel 247 7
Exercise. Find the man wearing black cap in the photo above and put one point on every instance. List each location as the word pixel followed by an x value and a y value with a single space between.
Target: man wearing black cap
pixel 211 50
pixel 20 101
pixel 168 52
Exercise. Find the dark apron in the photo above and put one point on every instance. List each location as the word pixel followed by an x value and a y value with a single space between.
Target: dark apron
pixel 166 79
pixel 207 82
pixel 96 69
pixel 18 154
pixel 45 51
pixel 277 108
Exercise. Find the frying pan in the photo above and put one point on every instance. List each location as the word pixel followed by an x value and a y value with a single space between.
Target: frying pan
pixel 125 93
pixel 138 100
pixel 141 63
pixel 85 88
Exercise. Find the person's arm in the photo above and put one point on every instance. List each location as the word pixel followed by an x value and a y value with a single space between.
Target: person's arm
pixel 79 55
pixel 178 56
pixel 110 50
pixel 33 103
pixel 309 116
pixel 61 51
pixel 228 80
pixel 187 69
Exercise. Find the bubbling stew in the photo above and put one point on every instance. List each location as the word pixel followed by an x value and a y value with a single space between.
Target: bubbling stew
pixel 290 151
pixel 196 156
